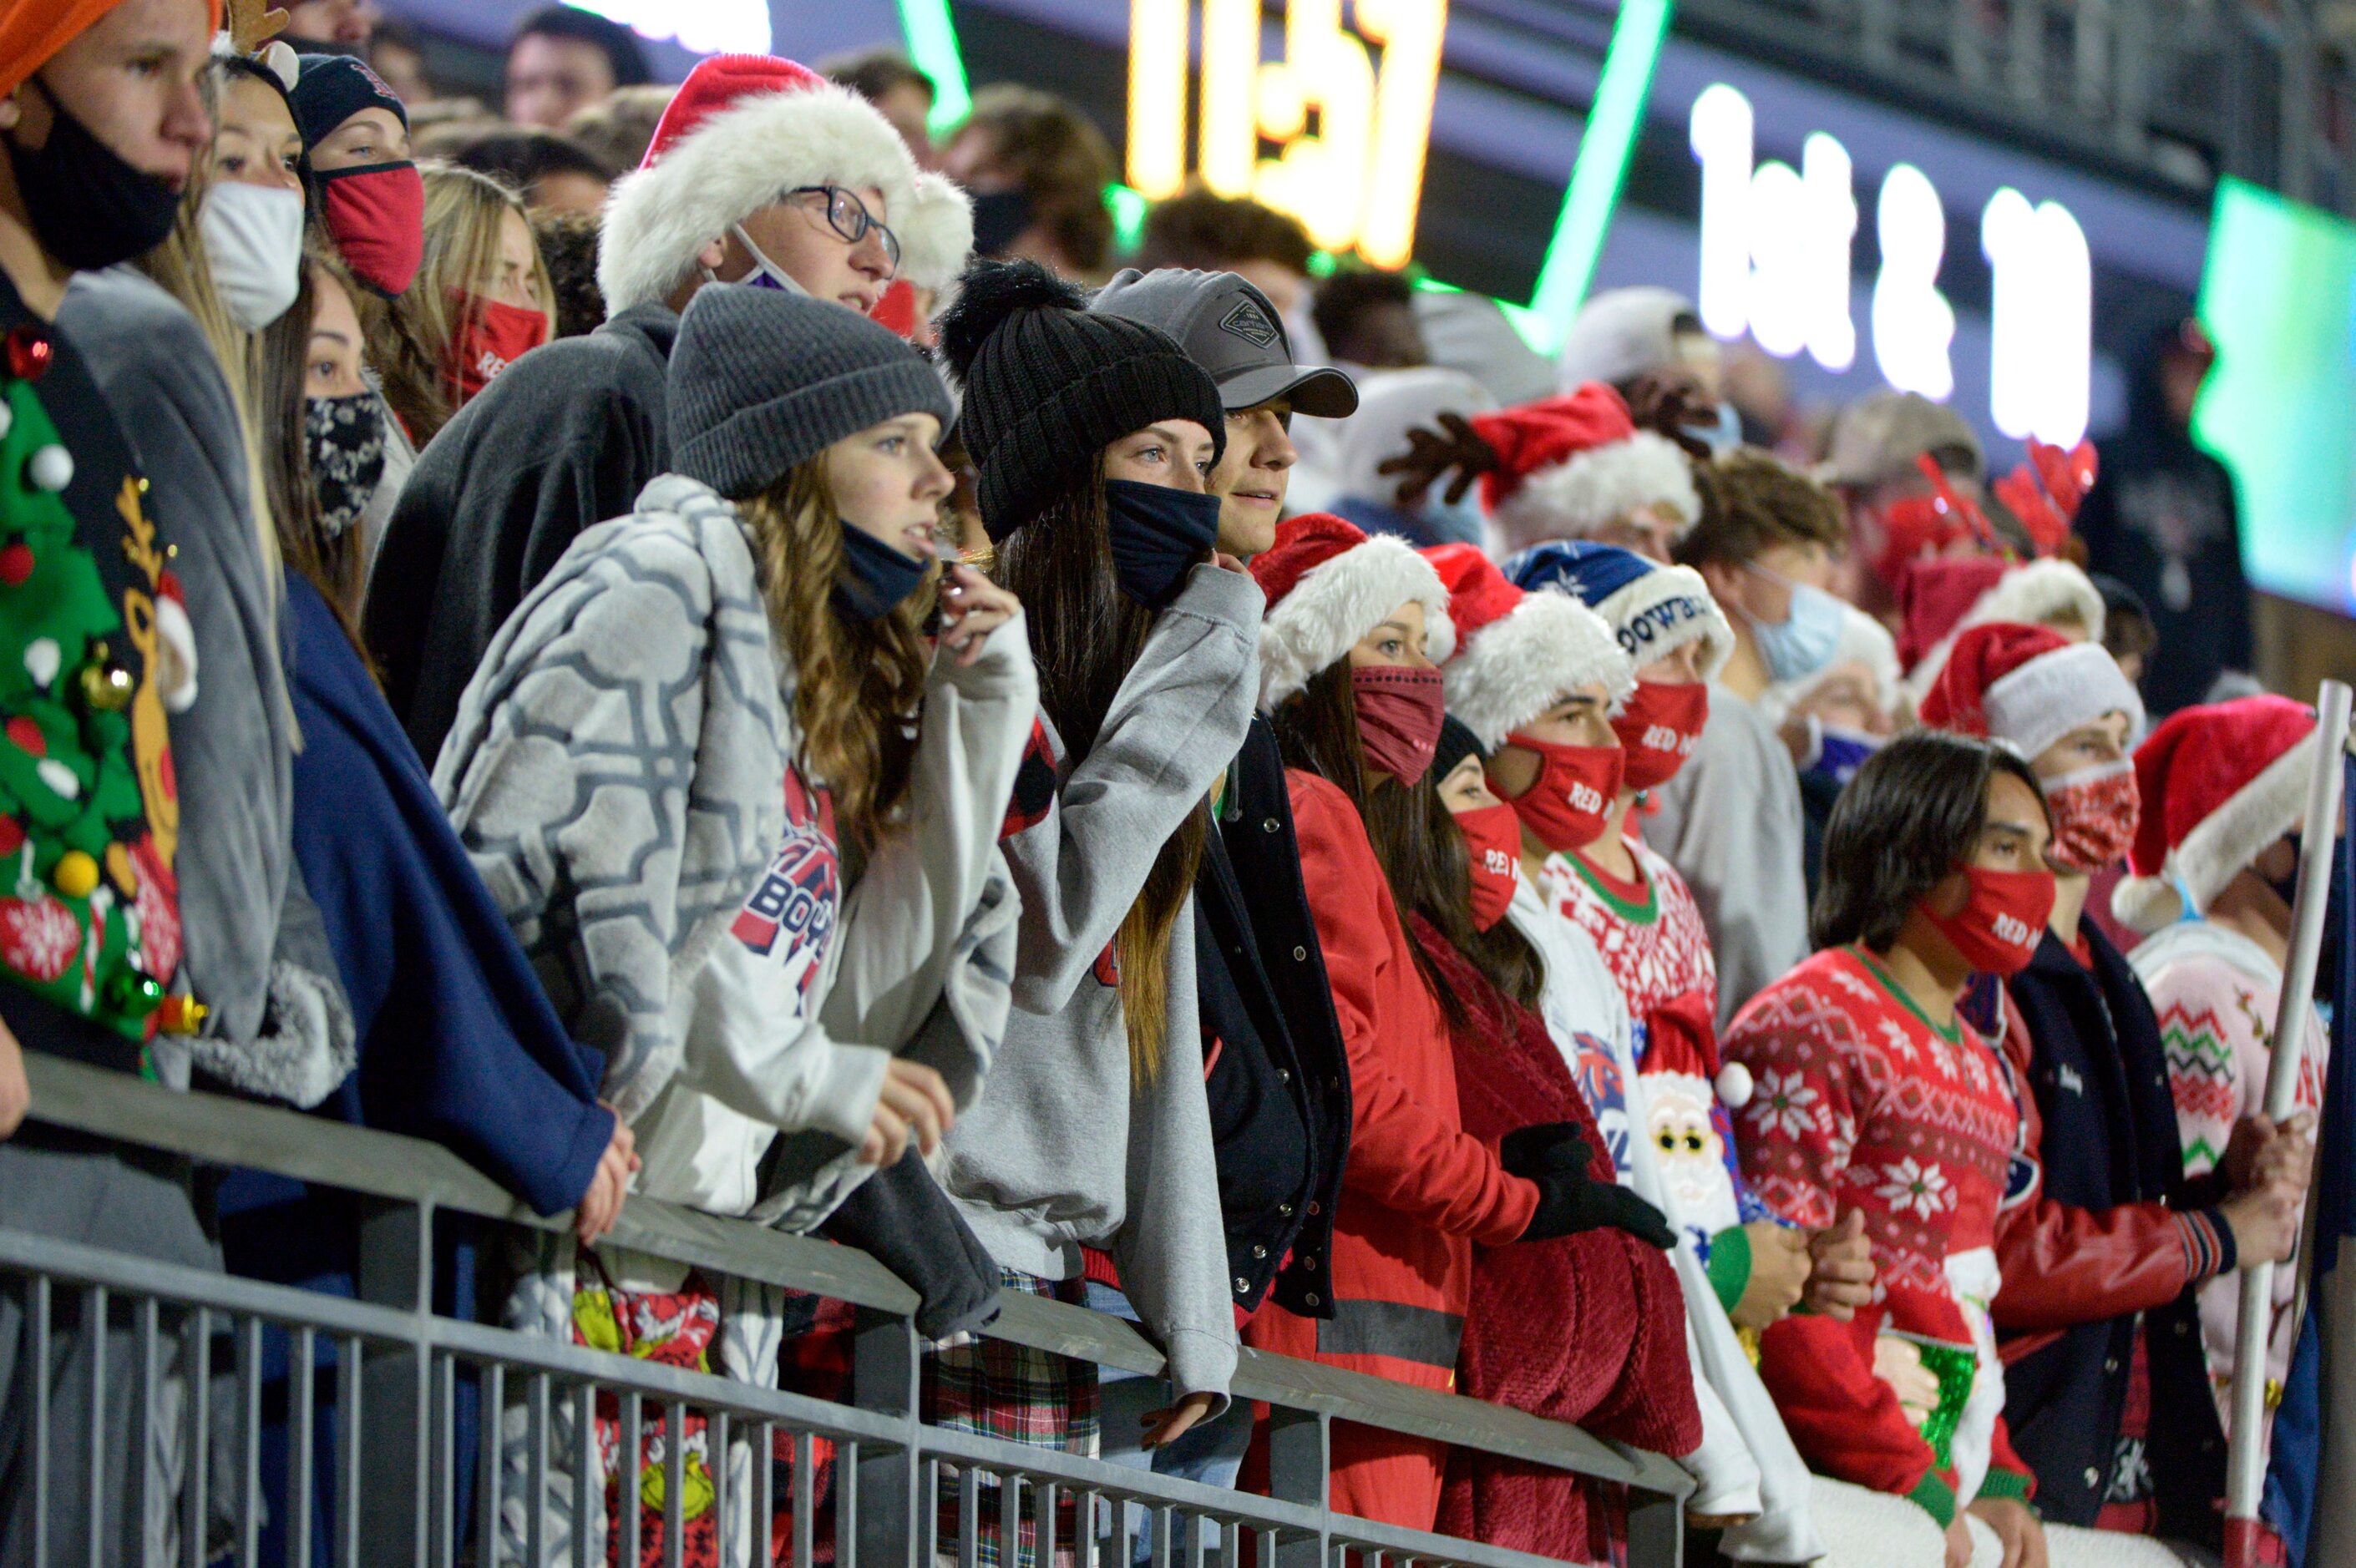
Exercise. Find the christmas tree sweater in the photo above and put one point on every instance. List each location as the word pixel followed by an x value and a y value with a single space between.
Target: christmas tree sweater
pixel 1861 1102
pixel 2217 994
pixel 1650 935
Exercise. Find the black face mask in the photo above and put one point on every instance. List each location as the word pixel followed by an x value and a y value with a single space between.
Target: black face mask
pixel 343 438
pixel 876 577
pixel 998 218
pixel 1158 534
pixel 89 206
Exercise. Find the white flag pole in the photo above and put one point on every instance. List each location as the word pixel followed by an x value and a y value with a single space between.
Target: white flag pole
pixel 2245 1466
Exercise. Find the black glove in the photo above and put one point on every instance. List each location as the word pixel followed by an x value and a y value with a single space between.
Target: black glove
pixel 1533 1152
pixel 1571 1201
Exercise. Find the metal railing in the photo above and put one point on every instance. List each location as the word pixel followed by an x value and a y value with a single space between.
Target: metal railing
pixel 373 1435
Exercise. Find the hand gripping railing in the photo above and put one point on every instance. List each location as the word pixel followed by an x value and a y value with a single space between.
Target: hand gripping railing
pixel 185 1363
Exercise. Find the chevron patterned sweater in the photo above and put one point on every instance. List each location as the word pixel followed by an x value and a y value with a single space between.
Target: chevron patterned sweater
pixel 2217 994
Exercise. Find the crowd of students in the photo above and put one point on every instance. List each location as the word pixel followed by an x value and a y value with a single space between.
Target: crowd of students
pixel 867 741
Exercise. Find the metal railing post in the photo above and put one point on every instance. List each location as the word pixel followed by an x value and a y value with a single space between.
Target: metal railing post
pixel 1299 1470
pixel 884 1374
pixel 396 1258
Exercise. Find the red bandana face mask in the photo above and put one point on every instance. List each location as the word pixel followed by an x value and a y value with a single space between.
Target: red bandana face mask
pixel 1571 805
pixel 1493 843
pixel 1658 730
pixel 2002 920
pixel 1399 713
pixel 492 334
pixel 2095 813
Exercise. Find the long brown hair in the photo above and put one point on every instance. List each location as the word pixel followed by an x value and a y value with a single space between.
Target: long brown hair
pixel 1085 634
pixel 336 566
pixel 859 688
pixel 1435 880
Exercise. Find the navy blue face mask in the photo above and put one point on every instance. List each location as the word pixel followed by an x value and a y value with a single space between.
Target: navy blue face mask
pixel 1157 534
pixel 876 577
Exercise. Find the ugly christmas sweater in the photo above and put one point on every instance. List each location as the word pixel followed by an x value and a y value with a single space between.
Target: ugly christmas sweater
pixel 1861 1102
pixel 2217 994
pixel 1650 935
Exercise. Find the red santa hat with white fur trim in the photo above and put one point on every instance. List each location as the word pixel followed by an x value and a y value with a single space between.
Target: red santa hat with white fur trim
pixel 2219 785
pixel 741 131
pixel 2028 687
pixel 1519 654
pixel 2035 593
pixel 1569 465
pixel 1328 585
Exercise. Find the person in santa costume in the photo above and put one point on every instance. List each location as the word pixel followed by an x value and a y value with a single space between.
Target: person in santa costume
pixel 1589 1328
pixel 2103 1241
pixel 1536 678
pixel 2214 866
pixel 760 173
pixel 1874 1093
pixel 1636 908
pixel 1346 675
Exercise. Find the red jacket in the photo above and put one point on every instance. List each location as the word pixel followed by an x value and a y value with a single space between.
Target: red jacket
pixel 1418 1191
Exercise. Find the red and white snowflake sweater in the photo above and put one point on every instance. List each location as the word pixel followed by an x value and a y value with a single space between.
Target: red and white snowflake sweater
pixel 1863 1103
pixel 1650 933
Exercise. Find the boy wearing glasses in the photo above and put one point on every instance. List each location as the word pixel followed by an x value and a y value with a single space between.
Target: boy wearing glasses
pixel 762 174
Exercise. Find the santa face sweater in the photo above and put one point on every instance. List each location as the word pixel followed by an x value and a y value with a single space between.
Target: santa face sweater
pixel 1862 1102
pixel 2217 994
pixel 1650 935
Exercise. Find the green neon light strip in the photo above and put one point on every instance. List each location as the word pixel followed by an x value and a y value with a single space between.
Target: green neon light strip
pixel 933 49
pixel 1128 215
pixel 1605 149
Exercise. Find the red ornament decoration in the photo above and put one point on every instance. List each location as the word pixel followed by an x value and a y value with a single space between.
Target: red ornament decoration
pixel 38 938
pixel 12 835
pixel 30 353
pixel 27 736
pixel 15 563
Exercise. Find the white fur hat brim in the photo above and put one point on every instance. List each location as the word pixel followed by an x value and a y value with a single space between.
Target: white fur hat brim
pixel 1573 500
pixel 935 236
pixel 739 161
pixel 2222 845
pixel 1529 659
pixel 2037 595
pixel 1338 602
pixel 1661 611
pixel 2055 693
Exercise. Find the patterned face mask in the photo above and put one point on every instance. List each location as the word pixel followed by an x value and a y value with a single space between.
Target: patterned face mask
pixel 344 437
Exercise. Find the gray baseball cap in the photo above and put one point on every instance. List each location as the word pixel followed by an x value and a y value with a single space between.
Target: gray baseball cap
pixel 1229 328
pixel 1877 439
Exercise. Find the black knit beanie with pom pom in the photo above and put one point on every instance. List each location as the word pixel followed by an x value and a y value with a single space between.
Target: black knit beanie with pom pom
pixel 1047 385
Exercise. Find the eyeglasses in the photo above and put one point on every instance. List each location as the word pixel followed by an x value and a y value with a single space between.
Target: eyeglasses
pixel 848 216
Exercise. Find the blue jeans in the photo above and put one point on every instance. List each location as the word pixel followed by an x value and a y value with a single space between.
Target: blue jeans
pixel 1212 1453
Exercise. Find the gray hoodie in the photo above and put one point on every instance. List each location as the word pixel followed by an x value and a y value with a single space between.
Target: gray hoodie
pixel 1064 1151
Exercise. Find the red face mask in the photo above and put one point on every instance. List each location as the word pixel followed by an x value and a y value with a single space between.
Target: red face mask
pixel 376 214
pixel 2095 813
pixel 2002 920
pixel 1658 730
pixel 1399 713
pixel 1493 843
pixel 492 334
pixel 1571 805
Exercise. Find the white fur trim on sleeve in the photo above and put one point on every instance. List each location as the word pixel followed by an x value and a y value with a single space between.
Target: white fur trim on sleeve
pixel 1529 659
pixel 1572 499
pixel 1339 601
pixel 734 164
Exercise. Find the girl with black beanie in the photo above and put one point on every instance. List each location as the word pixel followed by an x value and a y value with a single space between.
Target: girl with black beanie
pixel 1091 1158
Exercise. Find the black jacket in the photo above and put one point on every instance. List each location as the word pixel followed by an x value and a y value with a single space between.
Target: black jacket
pixel 2109 1139
pixel 1280 1086
pixel 564 439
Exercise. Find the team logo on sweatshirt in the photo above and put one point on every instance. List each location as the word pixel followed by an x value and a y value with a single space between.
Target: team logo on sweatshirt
pixel 796 897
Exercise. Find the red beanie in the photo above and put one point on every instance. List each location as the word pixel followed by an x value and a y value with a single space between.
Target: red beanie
pixel 717 83
pixel 2219 785
pixel 1547 433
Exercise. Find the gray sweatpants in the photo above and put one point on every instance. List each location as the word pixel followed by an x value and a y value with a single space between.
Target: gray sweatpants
pixel 124 1204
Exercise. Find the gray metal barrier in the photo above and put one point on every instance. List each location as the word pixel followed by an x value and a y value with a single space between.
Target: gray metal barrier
pixel 185 1362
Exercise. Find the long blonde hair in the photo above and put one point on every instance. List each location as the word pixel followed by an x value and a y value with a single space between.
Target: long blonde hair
pixel 859 688
pixel 464 214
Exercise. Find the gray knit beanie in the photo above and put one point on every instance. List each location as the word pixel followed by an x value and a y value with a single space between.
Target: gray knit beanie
pixel 761 381
pixel 1048 386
